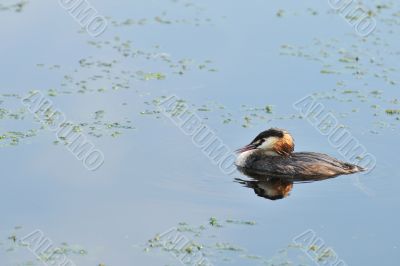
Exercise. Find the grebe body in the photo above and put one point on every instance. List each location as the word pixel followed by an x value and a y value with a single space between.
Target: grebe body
pixel 272 152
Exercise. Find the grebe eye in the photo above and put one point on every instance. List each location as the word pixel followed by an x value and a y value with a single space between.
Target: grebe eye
pixel 261 141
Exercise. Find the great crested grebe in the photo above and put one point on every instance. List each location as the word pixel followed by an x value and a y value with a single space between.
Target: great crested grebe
pixel 272 152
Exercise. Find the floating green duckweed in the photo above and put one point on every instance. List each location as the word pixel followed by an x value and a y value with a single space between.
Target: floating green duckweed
pixel 208 242
pixel 393 111
pixel 17 7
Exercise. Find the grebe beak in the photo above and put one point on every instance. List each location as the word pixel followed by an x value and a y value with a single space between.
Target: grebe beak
pixel 247 148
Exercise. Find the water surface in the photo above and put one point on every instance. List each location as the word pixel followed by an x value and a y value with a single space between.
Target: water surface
pixel 240 66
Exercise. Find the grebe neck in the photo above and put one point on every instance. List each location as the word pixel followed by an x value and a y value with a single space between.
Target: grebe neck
pixel 243 157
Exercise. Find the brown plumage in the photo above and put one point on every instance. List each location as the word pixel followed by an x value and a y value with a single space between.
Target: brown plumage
pixel 285 145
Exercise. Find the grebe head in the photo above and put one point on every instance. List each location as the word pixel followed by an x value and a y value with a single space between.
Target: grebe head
pixel 273 141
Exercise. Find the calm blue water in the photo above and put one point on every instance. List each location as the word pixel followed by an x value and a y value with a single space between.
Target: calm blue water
pixel 153 176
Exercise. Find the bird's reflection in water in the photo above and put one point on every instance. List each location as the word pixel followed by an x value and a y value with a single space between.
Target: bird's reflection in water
pixel 274 187
pixel 271 188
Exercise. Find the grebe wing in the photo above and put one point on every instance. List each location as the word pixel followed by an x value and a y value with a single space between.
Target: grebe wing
pixel 302 164
pixel 314 163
